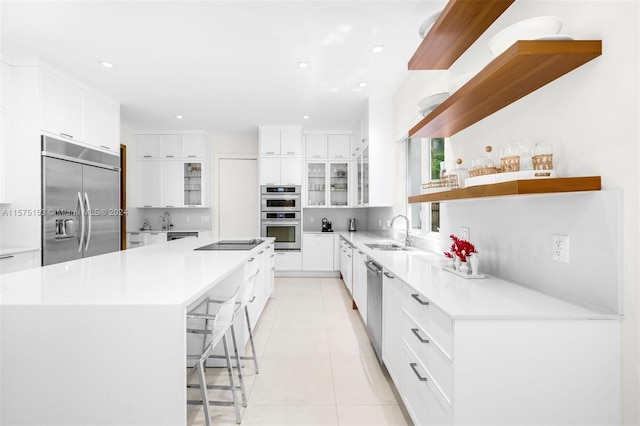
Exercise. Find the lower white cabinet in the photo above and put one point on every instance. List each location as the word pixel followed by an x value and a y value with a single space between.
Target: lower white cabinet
pixel 288 261
pixel 360 282
pixel 317 252
pixel 498 371
pixel 346 264
pixel 139 239
pixel 18 261
pixel 391 325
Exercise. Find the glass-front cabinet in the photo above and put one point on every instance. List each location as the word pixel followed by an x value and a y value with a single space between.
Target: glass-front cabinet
pixel 362 178
pixel 192 172
pixel 328 183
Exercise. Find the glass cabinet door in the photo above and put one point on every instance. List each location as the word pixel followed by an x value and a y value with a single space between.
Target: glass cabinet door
pixel 316 184
pixel 365 176
pixel 192 183
pixel 339 184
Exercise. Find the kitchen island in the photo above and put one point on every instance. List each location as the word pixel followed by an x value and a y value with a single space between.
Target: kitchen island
pixel 101 340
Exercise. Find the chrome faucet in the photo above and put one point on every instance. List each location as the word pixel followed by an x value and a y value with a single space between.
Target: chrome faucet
pixel 407 241
pixel 166 221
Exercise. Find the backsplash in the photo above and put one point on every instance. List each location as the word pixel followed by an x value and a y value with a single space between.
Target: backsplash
pixel 513 236
pixel 370 219
pixel 182 219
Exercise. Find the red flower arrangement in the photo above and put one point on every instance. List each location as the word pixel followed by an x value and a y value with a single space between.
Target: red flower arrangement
pixel 460 248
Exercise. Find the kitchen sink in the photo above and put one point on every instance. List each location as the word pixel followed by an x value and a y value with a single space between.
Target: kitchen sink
pixel 387 247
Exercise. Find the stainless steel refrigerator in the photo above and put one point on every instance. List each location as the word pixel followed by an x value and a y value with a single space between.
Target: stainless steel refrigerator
pixel 80 201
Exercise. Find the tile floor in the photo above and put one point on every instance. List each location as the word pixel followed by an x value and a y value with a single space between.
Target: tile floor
pixel 317 366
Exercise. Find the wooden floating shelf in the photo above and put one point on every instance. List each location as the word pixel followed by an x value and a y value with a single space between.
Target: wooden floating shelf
pixel 456 29
pixel 523 68
pixel 515 187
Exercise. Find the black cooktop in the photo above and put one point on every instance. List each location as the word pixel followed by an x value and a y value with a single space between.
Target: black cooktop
pixel 232 245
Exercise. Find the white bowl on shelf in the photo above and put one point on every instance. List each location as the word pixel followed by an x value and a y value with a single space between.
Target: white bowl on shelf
pixel 426 25
pixel 430 103
pixel 529 29
pixel 460 81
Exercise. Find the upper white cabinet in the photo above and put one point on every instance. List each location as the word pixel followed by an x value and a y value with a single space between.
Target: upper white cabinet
pixel 103 122
pixel 280 155
pixel 170 146
pixel 5 81
pixel 338 146
pixel 62 107
pixel 316 146
pixel 280 171
pixel 375 154
pixel 280 141
pixel 328 146
pixel 171 170
pixel 192 146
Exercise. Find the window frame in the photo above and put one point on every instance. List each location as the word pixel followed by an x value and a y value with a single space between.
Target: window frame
pixel 425 209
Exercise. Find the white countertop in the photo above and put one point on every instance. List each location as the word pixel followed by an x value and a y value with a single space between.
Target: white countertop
pixel 164 231
pixel 490 298
pixel 159 274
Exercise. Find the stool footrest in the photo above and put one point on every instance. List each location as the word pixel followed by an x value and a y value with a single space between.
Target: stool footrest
pixel 218 403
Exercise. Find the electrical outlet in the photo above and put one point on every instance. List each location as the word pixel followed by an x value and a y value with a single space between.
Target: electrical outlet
pixel 464 233
pixel 560 248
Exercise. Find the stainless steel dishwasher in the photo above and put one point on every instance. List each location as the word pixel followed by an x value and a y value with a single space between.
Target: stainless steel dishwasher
pixel 374 306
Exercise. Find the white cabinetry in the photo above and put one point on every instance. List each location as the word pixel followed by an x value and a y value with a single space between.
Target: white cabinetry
pixel 328 183
pixel 317 252
pixel 169 175
pixel 338 146
pixel 280 141
pixel 392 324
pixel 18 261
pixel 139 239
pixel 62 107
pixel 374 153
pixel 315 146
pixel 103 122
pixel 280 171
pixel 346 264
pixel 360 283
pixel 280 155
pixel 288 261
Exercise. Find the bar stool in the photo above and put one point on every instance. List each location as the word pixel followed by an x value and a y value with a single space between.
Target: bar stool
pixel 247 296
pixel 222 322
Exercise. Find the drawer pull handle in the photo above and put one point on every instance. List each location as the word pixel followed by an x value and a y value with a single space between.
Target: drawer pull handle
pixel 414 367
pixel 67 135
pixel 420 301
pixel 273 255
pixel 417 333
pixel 251 260
pixel 388 275
pixel 260 252
pixel 6 257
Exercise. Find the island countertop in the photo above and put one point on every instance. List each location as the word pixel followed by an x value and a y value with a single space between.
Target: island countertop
pixel 159 274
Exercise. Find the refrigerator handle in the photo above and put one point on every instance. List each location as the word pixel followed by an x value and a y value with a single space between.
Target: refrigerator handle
pixel 86 245
pixel 80 203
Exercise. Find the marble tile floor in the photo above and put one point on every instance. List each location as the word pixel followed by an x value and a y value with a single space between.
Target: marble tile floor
pixel 317 366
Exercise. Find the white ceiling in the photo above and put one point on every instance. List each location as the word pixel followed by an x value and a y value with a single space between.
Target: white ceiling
pixel 226 66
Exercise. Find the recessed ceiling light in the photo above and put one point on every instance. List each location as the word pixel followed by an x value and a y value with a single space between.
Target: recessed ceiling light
pixel 363 84
pixel 303 65
pixel 106 64
pixel 377 48
pixel 306 117
pixel 179 117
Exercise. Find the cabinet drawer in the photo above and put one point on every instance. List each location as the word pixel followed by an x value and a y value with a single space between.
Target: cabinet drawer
pixel 135 236
pixel 134 244
pixel 423 401
pixel 436 363
pixel 16 262
pixel 430 318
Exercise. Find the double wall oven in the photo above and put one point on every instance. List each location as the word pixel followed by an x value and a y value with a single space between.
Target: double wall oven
pixel 281 208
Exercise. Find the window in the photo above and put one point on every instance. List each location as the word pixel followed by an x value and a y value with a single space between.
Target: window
pixel 424 156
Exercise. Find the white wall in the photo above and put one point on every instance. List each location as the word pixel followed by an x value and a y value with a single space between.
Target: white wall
pixel 592 115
